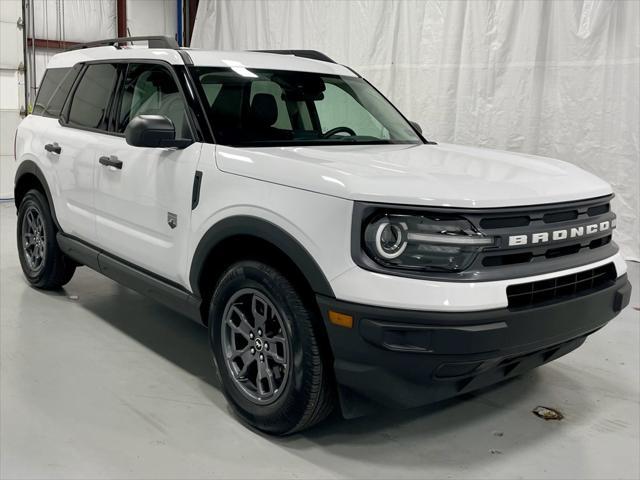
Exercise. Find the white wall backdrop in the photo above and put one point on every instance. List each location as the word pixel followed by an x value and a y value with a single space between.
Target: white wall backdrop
pixel 557 78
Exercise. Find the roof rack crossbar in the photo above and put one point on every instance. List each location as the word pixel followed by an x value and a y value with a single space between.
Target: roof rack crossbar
pixel 312 54
pixel 156 41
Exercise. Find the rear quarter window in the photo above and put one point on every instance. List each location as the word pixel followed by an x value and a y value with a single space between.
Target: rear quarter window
pixel 54 90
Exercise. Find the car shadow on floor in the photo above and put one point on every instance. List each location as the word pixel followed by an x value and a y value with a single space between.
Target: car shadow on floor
pixel 462 423
pixel 169 334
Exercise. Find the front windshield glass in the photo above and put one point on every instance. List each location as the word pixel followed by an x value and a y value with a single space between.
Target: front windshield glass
pixel 275 108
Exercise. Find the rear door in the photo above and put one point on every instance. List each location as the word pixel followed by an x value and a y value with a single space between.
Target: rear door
pixel 143 208
pixel 72 143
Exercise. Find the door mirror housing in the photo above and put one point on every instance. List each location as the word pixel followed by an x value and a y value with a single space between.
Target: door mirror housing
pixel 153 131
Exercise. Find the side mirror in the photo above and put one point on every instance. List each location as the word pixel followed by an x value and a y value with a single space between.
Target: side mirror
pixel 416 126
pixel 154 131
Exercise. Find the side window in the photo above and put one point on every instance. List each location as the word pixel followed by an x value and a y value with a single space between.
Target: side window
pixel 339 109
pixel 91 98
pixel 151 90
pixel 266 89
pixel 54 89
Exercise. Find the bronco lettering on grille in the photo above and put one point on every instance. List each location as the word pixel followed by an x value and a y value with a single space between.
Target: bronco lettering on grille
pixel 563 234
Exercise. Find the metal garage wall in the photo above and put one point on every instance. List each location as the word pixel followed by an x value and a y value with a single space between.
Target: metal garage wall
pixel 11 89
pixel 559 78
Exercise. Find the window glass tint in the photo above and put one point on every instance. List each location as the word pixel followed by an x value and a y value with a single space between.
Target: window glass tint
pixel 53 91
pixel 339 108
pixel 211 91
pixel 271 92
pixel 254 107
pixel 91 98
pixel 151 90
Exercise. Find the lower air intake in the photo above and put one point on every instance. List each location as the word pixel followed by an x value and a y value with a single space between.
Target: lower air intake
pixel 561 288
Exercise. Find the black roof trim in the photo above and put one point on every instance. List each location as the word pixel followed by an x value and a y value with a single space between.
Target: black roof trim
pixel 312 54
pixel 156 41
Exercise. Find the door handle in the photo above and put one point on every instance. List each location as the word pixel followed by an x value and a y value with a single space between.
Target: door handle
pixel 53 148
pixel 111 161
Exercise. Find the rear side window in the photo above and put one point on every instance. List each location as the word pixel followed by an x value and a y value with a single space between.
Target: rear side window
pixel 91 98
pixel 54 90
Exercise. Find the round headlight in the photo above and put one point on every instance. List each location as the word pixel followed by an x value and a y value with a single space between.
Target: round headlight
pixel 428 242
pixel 390 239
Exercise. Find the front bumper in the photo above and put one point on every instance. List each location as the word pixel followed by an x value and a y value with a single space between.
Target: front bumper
pixel 405 358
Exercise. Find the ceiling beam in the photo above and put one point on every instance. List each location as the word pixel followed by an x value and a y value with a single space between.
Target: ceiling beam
pixel 121 18
pixel 52 44
pixel 191 19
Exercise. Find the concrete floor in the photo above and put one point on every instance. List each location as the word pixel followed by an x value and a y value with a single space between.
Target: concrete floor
pixel 99 382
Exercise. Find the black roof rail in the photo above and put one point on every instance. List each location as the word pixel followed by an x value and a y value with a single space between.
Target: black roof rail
pixel 312 54
pixel 156 41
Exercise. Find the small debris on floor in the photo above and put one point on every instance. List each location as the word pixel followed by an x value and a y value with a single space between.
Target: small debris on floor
pixel 498 434
pixel 73 297
pixel 495 452
pixel 637 307
pixel 547 413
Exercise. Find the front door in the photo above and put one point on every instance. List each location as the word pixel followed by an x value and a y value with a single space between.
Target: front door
pixel 143 195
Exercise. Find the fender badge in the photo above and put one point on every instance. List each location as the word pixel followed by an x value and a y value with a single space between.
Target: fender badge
pixel 172 219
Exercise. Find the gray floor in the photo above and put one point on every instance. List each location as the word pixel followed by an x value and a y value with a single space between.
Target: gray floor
pixel 99 382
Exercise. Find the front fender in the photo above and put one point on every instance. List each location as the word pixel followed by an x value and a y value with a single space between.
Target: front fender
pixel 265 230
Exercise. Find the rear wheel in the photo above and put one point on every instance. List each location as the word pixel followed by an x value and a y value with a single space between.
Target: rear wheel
pixel 267 349
pixel 43 263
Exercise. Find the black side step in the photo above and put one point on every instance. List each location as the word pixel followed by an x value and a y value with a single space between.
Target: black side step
pixel 146 283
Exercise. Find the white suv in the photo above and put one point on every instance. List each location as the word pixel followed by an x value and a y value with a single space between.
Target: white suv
pixel 334 254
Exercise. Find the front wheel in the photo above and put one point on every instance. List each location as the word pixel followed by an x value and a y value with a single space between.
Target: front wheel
pixel 43 263
pixel 266 343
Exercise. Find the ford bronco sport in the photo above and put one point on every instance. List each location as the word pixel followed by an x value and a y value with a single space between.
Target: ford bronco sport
pixel 335 255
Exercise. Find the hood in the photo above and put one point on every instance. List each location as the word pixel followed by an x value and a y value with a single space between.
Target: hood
pixel 432 175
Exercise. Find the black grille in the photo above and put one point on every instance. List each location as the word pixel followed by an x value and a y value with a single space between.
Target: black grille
pixel 561 288
pixel 543 218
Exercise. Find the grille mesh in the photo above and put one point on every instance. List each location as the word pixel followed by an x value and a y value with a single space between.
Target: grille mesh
pixel 561 288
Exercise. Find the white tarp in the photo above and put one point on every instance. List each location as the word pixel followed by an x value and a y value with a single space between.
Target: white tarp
pixel 553 78
pixel 89 20
pixel 152 17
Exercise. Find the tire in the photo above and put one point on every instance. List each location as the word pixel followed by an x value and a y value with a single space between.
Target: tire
pixel 52 269
pixel 299 392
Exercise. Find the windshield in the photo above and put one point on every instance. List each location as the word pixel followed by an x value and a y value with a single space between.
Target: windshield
pixel 276 108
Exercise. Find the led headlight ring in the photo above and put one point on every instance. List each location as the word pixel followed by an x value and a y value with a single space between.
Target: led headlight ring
pixel 391 239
